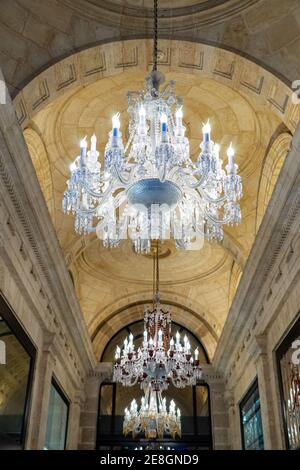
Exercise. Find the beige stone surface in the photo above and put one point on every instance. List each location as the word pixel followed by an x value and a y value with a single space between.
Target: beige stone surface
pixel 246 105
pixel 35 34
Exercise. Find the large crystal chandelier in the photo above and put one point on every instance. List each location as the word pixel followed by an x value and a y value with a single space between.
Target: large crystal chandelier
pixel 161 359
pixel 152 419
pixel 150 188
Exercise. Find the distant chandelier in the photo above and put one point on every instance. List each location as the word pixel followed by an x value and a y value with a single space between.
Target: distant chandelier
pixel 150 188
pixel 152 418
pixel 160 360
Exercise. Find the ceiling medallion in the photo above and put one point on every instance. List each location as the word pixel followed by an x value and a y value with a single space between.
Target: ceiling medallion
pixel 150 188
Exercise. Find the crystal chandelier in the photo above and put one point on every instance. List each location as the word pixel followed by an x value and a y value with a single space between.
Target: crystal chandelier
pixel 161 359
pixel 150 188
pixel 152 419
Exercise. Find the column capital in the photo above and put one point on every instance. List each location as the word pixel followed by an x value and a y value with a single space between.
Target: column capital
pixel 102 371
pixel 258 347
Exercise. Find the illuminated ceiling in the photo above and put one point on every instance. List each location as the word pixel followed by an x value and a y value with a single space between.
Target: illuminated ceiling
pixel 245 104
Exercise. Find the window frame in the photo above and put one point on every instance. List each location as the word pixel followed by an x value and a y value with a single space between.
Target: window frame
pixel 8 315
pixel 252 388
pixel 282 349
pixel 55 383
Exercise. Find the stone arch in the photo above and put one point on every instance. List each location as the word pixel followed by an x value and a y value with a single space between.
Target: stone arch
pixel 111 59
pixel 41 165
pixel 270 172
pixel 201 327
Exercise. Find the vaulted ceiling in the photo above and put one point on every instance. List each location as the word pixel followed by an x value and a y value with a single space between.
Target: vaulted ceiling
pixel 246 105
pixel 75 74
pixel 35 34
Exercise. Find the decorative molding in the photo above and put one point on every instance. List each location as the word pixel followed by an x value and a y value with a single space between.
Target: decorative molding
pixel 129 63
pixel 198 65
pixel 44 94
pixel 164 57
pixel 21 111
pixel 87 66
pixel 71 76
pixel 100 67
pixel 281 106
pixel 228 72
pixel 257 88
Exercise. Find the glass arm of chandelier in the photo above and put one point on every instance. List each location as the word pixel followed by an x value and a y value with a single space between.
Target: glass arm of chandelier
pixel 204 194
pixel 96 194
pixel 124 181
pixel 215 220
pixel 200 181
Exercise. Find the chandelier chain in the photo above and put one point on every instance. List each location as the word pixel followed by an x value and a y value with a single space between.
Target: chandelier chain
pixel 155 24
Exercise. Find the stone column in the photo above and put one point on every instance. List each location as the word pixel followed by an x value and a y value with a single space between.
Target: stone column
pixel 261 359
pixel 89 415
pixel 234 433
pixel 45 362
pixel 219 411
pixel 75 410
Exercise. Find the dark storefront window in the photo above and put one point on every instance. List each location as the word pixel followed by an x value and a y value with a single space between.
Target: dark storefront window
pixel 288 358
pixel 57 422
pixel 251 424
pixel 16 368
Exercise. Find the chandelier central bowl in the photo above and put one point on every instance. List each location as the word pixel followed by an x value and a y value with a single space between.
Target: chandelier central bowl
pixel 151 191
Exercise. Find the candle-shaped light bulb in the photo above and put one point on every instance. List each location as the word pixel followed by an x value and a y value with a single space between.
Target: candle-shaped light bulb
pixel 145 336
pixel 118 352
pixel 206 131
pixel 171 344
pixel 83 147
pixel 131 337
pixel 196 354
pixel 159 335
pixel 116 124
pixel 177 337
pixel 230 155
pixel 164 121
pixel 178 413
pixel 178 116
pixel 93 143
pixel 185 339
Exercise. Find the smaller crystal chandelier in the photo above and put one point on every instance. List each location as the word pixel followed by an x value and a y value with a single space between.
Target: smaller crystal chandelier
pixel 161 360
pixel 152 419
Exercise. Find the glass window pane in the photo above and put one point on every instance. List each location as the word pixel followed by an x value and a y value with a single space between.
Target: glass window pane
pixel 106 409
pixel 251 420
pixel 14 380
pixel 203 417
pixel 57 420
pixel 290 391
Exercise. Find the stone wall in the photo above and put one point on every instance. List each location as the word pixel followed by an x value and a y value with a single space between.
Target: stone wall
pixel 266 305
pixel 36 284
pixel 34 34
